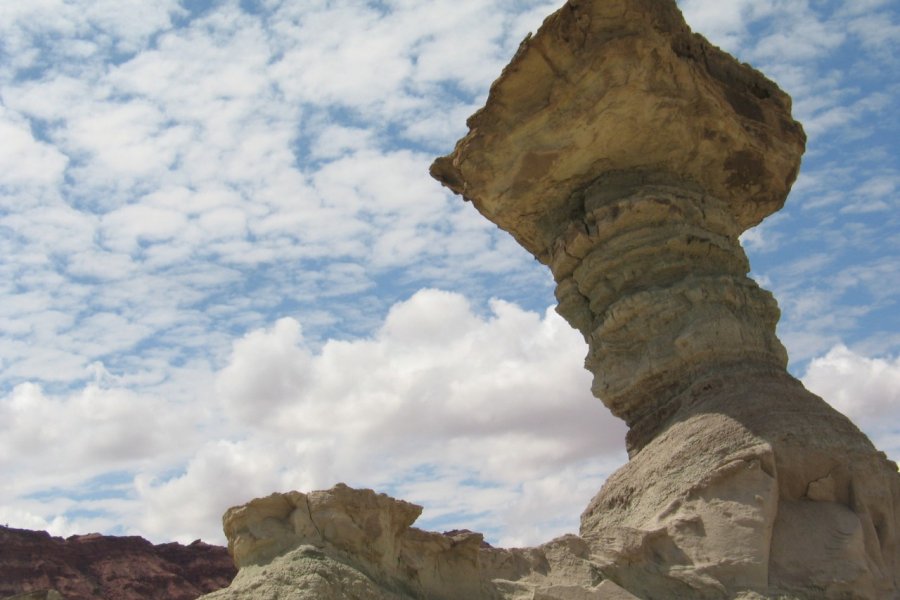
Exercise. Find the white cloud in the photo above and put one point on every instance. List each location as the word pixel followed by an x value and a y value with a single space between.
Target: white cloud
pixel 25 161
pixel 371 64
pixel 335 141
pixel 38 32
pixel 218 475
pixel 765 237
pixel 379 62
pixel 808 38
pixel 859 7
pixel 834 115
pixel 433 369
pixel 472 415
pixel 866 389
pixel 875 25
pixel 58 441
pixel 724 24
pixel 124 229
pixel 267 368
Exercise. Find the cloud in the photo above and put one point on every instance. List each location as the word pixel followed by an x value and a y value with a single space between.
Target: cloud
pixel 875 25
pixel 866 389
pixel 725 24
pixel 792 42
pixel 25 161
pixel 808 38
pixel 58 441
pixel 483 418
pixel 48 34
pixel 388 58
pixel 187 166
pixel 434 370
pixel 189 506
pixel 842 114
pixel 486 419
pixel 266 369
pixel 831 303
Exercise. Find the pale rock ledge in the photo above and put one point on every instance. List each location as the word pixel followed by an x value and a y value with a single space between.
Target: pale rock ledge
pixel 345 543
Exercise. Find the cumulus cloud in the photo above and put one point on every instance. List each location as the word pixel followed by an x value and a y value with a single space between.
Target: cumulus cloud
pixel 866 389
pixel 484 418
pixel 439 396
pixel 57 441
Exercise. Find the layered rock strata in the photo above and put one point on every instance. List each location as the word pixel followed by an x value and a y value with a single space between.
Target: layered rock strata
pixel 628 155
pixel 344 543
pixel 85 567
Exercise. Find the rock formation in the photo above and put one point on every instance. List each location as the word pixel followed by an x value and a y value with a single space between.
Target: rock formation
pixel 344 543
pixel 628 155
pixel 34 565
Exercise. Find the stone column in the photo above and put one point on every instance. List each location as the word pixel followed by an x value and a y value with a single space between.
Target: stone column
pixel 653 276
pixel 628 155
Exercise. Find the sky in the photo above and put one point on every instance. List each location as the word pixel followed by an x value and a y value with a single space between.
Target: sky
pixel 225 271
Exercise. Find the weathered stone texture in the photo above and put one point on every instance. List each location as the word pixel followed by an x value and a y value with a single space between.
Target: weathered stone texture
pixel 628 155
pixel 345 543
pixel 621 85
pixel 84 567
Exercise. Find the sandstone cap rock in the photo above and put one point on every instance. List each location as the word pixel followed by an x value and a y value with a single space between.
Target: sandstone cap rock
pixel 614 86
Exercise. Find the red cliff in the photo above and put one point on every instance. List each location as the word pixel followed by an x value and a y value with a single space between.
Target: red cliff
pixel 87 567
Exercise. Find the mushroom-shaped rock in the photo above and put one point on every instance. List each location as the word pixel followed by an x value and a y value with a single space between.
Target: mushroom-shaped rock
pixel 628 154
pixel 622 86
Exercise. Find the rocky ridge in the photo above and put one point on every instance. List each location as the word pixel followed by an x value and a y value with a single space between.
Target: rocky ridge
pixel 347 543
pixel 628 155
pixel 85 567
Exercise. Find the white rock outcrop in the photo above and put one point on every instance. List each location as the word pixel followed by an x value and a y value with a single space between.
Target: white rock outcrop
pixel 346 543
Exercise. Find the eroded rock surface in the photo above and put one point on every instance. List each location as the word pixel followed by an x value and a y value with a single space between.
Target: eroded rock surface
pixel 628 155
pixel 85 567
pixel 346 543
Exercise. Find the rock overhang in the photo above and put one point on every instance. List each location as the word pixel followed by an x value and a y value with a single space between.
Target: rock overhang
pixel 616 87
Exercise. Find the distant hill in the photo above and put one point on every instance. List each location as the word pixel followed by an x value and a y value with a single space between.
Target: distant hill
pixel 88 567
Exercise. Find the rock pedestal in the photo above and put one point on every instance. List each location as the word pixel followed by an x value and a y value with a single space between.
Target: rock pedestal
pixel 628 155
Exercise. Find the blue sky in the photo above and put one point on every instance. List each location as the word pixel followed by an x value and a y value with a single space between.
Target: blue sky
pixel 226 272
